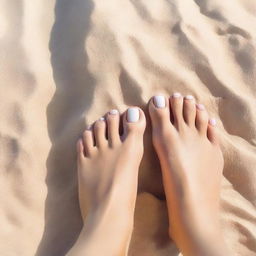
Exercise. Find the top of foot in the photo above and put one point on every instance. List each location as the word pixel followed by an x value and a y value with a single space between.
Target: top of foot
pixel 108 165
pixel 187 145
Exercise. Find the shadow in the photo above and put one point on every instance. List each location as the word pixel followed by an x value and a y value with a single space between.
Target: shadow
pixel 72 98
pixel 204 9
pixel 128 85
pixel 245 58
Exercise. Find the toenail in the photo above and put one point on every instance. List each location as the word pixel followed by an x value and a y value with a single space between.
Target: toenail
pixel 189 97
pixel 212 122
pixel 113 112
pixel 88 127
pixel 102 119
pixel 176 95
pixel 159 101
pixel 200 106
pixel 133 115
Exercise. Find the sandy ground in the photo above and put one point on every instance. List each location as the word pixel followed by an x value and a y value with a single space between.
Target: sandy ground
pixel 65 63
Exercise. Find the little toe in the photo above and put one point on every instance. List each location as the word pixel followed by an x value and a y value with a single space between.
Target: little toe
pixel 159 111
pixel 212 132
pixel 100 132
pixel 113 118
pixel 201 119
pixel 176 101
pixel 134 122
pixel 80 149
pixel 189 110
pixel 88 141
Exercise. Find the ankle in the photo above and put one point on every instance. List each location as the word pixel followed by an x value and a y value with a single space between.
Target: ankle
pixel 113 235
pixel 196 242
pixel 206 247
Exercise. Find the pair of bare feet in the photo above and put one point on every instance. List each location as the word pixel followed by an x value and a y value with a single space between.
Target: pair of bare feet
pixel 186 142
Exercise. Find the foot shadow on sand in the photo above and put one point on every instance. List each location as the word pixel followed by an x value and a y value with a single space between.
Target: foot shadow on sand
pixel 72 98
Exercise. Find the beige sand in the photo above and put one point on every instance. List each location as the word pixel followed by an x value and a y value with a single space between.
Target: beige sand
pixel 64 64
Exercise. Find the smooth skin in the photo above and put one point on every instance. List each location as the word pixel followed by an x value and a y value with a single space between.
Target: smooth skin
pixel 108 179
pixel 187 145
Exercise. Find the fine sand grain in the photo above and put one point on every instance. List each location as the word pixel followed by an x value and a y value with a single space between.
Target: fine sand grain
pixel 64 63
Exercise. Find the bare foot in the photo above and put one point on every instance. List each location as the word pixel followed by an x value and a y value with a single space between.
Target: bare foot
pixel 186 142
pixel 108 167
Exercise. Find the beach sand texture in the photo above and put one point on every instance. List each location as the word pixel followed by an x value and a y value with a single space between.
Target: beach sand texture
pixel 65 63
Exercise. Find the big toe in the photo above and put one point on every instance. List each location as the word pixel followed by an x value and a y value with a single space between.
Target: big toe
pixel 134 122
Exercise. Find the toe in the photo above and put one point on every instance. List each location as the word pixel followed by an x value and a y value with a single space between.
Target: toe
pixel 80 149
pixel 177 107
pixel 88 141
pixel 201 119
pixel 189 110
pixel 159 112
pixel 113 127
pixel 212 132
pixel 134 122
pixel 100 132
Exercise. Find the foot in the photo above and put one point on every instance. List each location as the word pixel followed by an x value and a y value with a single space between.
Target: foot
pixel 187 145
pixel 108 167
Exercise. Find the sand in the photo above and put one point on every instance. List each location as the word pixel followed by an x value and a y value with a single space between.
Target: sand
pixel 65 63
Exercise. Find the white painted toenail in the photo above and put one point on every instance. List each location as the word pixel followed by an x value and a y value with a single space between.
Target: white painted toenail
pixel 212 122
pixel 189 97
pixel 88 127
pixel 102 119
pixel 113 112
pixel 159 101
pixel 176 95
pixel 133 115
pixel 200 106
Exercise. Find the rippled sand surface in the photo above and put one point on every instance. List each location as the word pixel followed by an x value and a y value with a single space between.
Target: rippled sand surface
pixel 65 63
